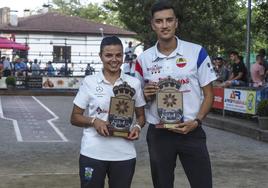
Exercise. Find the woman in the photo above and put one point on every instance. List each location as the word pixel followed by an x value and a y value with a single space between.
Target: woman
pixel 101 153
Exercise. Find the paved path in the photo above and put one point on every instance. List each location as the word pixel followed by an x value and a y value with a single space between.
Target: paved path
pixel 37 162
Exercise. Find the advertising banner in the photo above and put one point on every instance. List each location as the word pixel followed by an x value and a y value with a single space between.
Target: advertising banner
pixel 218 98
pixel 61 82
pixel 243 101
pixel 34 82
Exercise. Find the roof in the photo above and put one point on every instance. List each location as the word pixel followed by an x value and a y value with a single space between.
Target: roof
pixel 53 22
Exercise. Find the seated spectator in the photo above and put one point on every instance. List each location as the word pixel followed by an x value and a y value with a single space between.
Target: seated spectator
pixel 62 71
pixel 20 67
pixel 258 72
pixel 221 71
pixel 239 71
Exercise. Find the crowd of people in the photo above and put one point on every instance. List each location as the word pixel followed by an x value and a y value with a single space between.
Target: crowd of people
pixel 23 67
pixel 235 73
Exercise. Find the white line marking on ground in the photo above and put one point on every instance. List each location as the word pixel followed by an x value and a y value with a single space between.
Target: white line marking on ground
pixel 15 123
pixel 37 174
pixel 50 120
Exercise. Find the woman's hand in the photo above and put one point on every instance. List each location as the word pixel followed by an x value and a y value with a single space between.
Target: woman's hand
pixel 101 127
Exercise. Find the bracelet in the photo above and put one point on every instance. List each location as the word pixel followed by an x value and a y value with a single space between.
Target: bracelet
pixel 138 126
pixel 92 121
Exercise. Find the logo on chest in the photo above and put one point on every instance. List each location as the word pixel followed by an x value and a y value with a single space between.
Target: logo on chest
pixel 155 69
pixel 181 62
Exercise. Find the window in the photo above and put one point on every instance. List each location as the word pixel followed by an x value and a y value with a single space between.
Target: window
pixel 61 53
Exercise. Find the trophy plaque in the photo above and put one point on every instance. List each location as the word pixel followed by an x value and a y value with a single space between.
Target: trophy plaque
pixel 121 111
pixel 169 103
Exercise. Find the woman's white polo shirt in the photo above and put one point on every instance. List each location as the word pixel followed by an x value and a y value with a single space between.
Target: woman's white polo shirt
pixel 94 95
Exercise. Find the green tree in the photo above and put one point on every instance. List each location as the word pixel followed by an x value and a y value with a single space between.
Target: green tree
pixel 92 12
pixel 215 24
pixel 261 26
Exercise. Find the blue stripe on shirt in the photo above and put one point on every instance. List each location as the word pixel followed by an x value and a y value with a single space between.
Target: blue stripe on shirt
pixel 201 57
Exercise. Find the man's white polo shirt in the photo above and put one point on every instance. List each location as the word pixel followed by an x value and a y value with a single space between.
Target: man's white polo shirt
pixel 189 64
pixel 95 93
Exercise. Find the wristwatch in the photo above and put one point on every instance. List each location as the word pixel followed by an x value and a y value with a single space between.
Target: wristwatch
pixel 199 122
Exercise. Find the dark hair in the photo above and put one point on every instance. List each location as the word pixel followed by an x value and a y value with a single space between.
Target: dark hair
pixel 234 53
pixel 259 57
pixel 113 40
pixel 161 5
pixel 262 52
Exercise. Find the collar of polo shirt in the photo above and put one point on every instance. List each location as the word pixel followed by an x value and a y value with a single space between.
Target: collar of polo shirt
pixel 178 51
pixel 101 78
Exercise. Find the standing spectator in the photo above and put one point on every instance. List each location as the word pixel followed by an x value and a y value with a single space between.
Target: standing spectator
pixel 132 65
pixel 258 72
pixel 239 71
pixel 126 67
pixel 50 69
pixel 101 154
pixel 2 66
pixel 89 70
pixel 129 51
pixel 190 65
pixel 262 53
pixel 35 68
pixel 7 67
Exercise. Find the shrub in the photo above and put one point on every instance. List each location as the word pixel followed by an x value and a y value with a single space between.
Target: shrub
pixel 11 81
pixel 262 109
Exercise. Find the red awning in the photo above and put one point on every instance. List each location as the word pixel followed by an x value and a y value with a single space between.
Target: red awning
pixel 8 44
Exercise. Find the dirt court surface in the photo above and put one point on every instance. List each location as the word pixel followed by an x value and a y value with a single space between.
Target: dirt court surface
pixel 40 149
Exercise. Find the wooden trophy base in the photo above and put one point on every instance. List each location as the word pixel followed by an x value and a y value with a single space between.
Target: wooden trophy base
pixel 165 126
pixel 118 133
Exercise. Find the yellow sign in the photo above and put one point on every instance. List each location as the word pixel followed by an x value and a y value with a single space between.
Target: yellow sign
pixel 251 102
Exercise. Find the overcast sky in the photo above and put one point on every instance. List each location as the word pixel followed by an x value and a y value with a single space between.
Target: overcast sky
pixel 20 5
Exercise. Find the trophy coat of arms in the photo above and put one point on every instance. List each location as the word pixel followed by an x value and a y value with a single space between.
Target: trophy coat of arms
pixel 121 112
pixel 169 103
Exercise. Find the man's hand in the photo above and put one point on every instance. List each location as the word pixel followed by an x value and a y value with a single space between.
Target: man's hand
pixel 101 127
pixel 149 91
pixel 185 127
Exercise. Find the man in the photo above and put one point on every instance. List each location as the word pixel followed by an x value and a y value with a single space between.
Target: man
pixel 221 71
pixel 7 67
pixel 35 68
pixel 190 65
pixel 262 53
pixel 89 70
pixel 239 71
pixel 258 72
pixel 129 51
